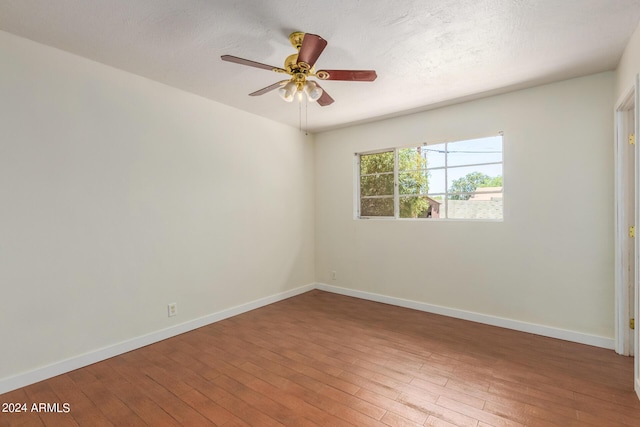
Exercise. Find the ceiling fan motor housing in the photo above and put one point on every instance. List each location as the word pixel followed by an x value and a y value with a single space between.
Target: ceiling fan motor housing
pixel 296 39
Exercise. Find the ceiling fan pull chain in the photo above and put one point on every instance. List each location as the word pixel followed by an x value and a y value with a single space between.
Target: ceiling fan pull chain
pixel 299 116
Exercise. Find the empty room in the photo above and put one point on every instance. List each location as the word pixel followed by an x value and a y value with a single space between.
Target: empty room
pixel 234 213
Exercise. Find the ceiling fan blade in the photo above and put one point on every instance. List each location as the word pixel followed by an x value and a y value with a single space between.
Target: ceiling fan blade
pixel 350 75
pixel 312 47
pixel 242 61
pixel 268 88
pixel 324 99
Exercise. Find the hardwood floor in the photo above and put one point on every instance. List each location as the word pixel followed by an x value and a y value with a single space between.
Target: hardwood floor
pixel 329 360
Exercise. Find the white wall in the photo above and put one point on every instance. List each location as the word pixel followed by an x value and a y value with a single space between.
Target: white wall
pixel 629 65
pixel 549 263
pixel 119 195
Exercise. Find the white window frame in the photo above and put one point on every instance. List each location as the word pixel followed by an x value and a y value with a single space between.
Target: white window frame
pixel 446 195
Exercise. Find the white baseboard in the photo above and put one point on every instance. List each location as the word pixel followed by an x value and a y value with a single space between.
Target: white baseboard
pixel 14 382
pixel 637 387
pixel 547 331
pixel 20 380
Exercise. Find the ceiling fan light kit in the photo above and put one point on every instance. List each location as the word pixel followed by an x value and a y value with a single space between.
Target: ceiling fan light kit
pixel 300 66
pixel 288 91
pixel 313 91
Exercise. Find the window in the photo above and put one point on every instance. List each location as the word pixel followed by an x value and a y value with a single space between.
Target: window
pixel 377 184
pixel 461 180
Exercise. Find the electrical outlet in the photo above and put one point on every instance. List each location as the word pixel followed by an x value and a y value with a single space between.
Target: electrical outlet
pixel 172 309
pixel 333 275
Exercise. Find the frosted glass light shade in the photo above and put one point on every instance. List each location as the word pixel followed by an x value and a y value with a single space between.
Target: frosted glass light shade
pixel 313 91
pixel 288 91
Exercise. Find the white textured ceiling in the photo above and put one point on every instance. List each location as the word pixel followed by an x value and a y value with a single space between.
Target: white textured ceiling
pixel 426 52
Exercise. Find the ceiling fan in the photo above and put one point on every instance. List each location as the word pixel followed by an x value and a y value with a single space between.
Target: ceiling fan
pixel 300 66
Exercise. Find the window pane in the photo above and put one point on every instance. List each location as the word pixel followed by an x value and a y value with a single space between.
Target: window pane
pixel 419 207
pixel 376 185
pixel 437 183
pixel 414 182
pixel 475 209
pixel 468 179
pixel 376 163
pixel 442 211
pixel 474 151
pixel 435 155
pixel 411 159
pixel 376 207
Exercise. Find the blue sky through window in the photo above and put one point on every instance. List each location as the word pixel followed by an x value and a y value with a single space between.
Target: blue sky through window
pixel 460 154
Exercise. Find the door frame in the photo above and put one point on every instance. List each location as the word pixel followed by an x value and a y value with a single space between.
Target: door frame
pixel 627 178
pixel 636 303
pixel 626 185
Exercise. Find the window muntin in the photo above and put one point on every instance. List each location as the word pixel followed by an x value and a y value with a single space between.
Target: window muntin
pixel 460 180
